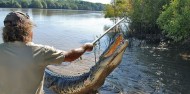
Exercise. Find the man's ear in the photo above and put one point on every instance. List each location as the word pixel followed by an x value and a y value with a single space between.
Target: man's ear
pixel 29 37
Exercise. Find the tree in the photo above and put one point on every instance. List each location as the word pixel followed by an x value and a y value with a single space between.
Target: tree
pixel 65 6
pixel 142 14
pixel 109 11
pixel 74 6
pixel 55 4
pixel 15 4
pixel 51 4
pixel 44 4
pixel 5 4
pixel 36 4
pixel 174 20
pixel 24 4
pixel 118 8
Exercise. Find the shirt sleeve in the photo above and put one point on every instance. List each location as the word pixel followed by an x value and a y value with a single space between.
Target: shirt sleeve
pixel 53 56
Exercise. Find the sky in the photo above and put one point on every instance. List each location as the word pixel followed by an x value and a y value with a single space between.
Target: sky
pixel 99 1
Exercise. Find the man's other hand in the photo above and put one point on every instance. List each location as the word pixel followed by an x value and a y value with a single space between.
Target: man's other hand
pixel 88 47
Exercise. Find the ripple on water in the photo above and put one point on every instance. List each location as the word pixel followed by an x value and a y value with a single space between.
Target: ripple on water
pixel 150 71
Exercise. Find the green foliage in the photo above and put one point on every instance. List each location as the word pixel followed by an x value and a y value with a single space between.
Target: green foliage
pixel 153 16
pixel 50 4
pixel 118 8
pixel 53 4
pixel 6 4
pixel 109 11
pixel 24 3
pixel 74 6
pixel 44 4
pixel 144 14
pixel 36 4
pixel 15 4
pixel 141 14
pixel 174 20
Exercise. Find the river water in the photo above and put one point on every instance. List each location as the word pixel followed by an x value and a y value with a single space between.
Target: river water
pixel 145 69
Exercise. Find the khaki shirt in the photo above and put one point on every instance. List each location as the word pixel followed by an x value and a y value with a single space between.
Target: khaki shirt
pixel 22 66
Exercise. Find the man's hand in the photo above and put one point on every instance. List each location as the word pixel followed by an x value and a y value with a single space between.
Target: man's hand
pixel 76 53
pixel 88 47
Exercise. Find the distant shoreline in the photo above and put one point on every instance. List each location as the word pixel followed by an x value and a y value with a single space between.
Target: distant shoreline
pixel 53 9
pixel 53 4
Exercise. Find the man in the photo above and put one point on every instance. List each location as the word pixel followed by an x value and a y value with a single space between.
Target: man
pixel 22 62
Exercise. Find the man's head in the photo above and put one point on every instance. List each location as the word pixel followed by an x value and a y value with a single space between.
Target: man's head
pixel 17 27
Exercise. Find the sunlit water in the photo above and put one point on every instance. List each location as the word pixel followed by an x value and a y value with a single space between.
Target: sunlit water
pixel 143 70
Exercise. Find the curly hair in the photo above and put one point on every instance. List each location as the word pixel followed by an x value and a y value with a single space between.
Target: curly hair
pixel 18 32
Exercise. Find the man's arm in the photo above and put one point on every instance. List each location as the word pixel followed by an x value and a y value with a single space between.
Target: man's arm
pixel 76 53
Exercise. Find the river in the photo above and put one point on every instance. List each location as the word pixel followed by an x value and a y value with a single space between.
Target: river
pixel 145 69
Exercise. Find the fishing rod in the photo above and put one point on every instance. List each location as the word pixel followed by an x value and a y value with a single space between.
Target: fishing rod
pixel 107 31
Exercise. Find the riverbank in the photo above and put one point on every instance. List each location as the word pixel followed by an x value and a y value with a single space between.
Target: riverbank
pixel 53 4
pixel 181 49
pixel 160 40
